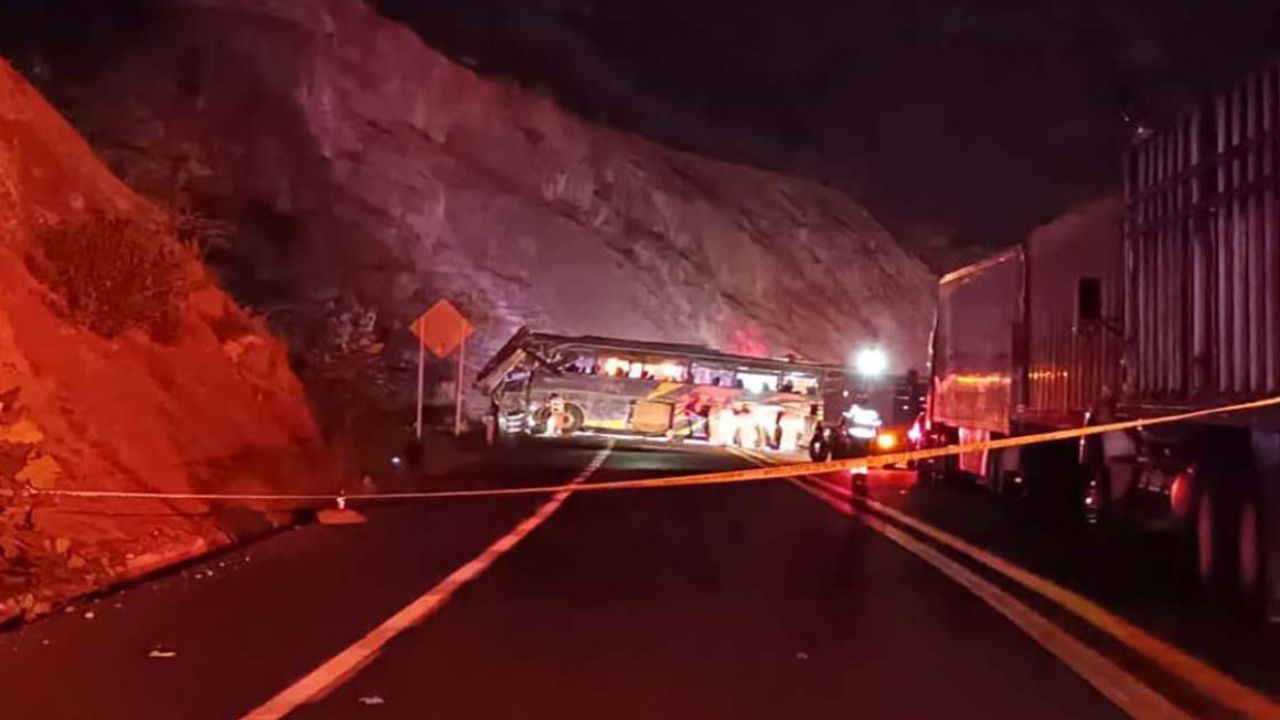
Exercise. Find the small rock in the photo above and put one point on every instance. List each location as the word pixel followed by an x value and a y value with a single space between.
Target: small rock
pixel 9 548
pixel 76 562
pixel 802 655
pixel 44 641
pixel 340 517
pixel 41 473
pixel 372 700
pixel 69 609
pixel 88 615
pixel 62 545
pixel 162 653
pixel 22 432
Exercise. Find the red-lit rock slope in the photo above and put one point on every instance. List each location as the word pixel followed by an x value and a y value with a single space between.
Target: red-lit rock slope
pixel 213 408
pixel 362 164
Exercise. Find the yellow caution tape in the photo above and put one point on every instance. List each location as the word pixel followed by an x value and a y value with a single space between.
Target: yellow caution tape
pixel 714 478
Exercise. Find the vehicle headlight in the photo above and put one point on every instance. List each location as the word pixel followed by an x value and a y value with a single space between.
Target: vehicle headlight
pixel 886 441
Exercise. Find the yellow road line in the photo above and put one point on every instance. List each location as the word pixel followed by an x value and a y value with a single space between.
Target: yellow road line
pixel 1205 678
pixel 1195 672
pixel 1114 682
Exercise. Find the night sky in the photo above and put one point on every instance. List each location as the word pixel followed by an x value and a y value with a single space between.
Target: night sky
pixel 968 119
pixel 973 119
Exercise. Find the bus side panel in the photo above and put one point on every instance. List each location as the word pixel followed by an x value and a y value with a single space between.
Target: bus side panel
pixel 605 401
pixel 975 371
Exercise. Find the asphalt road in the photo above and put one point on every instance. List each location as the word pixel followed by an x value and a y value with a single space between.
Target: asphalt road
pixel 747 601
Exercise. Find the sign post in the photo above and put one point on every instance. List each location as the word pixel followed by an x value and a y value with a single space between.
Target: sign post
pixel 422 361
pixel 442 329
pixel 457 397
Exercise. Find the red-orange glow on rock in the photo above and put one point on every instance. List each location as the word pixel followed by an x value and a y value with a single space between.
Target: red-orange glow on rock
pixel 747 340
pixel 216 407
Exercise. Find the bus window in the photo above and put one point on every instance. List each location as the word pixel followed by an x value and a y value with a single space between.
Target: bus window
pixel 711 375
pixel 800 383
pixel 655 369
pixel 616 367
pixel 579 363
pixel 667 371
pixel 755 382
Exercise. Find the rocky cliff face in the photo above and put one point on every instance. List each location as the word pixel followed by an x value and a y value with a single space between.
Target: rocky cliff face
pixel 368 176
pixel 91 400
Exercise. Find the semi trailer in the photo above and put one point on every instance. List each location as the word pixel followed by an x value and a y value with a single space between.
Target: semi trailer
pixel 1162 299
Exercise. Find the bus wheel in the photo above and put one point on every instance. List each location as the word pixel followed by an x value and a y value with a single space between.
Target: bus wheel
pixel 574 419
pixel 540 420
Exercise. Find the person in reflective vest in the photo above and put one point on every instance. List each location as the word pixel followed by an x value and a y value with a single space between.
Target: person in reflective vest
pixel 857 429
pixel 862 422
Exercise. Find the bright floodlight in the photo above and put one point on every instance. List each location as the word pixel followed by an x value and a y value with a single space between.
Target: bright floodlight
pixel 871 361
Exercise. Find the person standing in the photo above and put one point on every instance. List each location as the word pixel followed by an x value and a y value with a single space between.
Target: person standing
pixel 557 417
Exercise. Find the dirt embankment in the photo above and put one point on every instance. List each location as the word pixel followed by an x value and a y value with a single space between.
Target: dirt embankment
pixel 124 367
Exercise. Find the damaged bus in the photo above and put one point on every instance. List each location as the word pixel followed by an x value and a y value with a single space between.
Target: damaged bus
pixel 543 384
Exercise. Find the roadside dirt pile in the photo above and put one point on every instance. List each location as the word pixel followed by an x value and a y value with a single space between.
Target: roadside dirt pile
pixel 367 175
pixel 124 367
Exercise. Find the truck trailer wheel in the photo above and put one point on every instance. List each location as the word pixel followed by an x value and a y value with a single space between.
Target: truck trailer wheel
pixel 937 471
pixel 819 448
pixel 1250 555
pixel 1206 544
pixel 1214 533
pixel 1229 532
pixel 1095 500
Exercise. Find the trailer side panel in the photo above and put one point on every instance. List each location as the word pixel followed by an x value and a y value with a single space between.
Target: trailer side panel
pixel 975 369
pixel 1201 255
pixel 1070 362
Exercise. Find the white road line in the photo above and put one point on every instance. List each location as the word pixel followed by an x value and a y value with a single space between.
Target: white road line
pixel 333 672
pixel 1114 682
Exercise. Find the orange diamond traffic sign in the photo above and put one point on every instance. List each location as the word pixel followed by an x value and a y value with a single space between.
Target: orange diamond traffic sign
pixel 442 328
